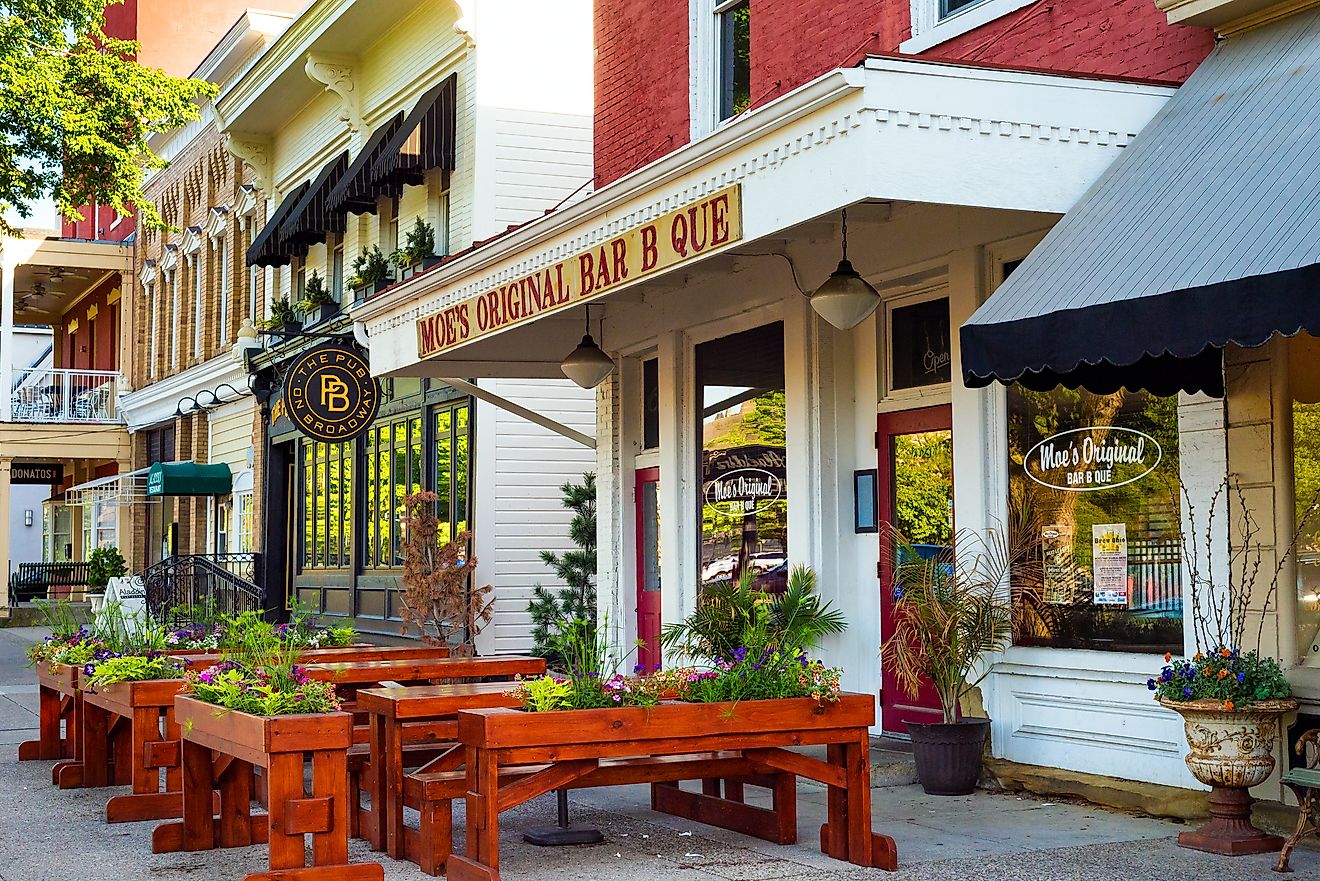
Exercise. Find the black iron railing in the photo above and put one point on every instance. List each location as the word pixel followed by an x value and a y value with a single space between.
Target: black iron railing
pixel 42 581
pixel 191 587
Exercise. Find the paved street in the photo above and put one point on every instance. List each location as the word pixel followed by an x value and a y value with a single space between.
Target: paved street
pixel 48 834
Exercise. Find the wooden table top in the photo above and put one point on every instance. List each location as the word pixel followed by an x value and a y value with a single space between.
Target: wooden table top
pixel 414 669
pixel 427 701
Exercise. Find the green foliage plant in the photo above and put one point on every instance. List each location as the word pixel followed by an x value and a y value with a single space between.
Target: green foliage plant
pixel 315 294
pixel 77 111
pixel 952 607
pixel 281 313
pixel 551 609
pixel 369 267
pixel 105 563
pixel 418 245
pixel 793 621
pixel 133 668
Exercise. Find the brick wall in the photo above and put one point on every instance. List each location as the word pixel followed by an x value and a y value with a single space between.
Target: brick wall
pixel 642 55
pixel 641 74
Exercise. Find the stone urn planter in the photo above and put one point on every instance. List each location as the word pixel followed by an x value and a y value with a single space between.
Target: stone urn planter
pixel 1231 751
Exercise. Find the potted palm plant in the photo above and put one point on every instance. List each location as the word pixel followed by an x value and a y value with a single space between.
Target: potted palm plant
pixel 317 303
pixel 952 606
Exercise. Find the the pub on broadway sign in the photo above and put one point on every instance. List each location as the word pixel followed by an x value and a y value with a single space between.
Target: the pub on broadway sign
pixel 681 235
pixel 330 394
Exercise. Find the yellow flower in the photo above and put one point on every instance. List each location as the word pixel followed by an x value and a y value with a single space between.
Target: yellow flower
pixel 1223 673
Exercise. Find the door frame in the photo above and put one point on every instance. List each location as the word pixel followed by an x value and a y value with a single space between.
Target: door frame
pixel 889 425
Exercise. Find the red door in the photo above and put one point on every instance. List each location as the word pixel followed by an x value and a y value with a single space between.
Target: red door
pixel 647 488
pixel 915 489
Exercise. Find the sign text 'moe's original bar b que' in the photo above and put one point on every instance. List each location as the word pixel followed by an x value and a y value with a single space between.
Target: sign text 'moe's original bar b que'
pixel 680 235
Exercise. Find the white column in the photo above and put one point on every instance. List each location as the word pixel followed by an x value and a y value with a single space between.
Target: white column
pixel 7 346
pixel 5 525
pixel 680 522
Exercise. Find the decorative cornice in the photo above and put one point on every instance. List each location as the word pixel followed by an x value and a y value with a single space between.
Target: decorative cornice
pixel 247 202
pixel 216 223
pixel 463 26
pixel 192 240
pixel 149 272
pixel 159 400
pixel 255 152
pixel 337 74
pixel 170 261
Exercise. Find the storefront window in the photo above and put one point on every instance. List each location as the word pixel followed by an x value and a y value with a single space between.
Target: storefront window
pixel 243 505
pixel 1306 492
pixel 327 505
pixel 1095 477
pixel 452 440
pixel 100 524
pixel 394 471
pixel 744 505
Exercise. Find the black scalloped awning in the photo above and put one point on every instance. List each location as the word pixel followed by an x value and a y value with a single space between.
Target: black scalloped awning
pixel 425 140
pixel 266 249
pixel 1204 233
pixel 353 192
pixel 311 219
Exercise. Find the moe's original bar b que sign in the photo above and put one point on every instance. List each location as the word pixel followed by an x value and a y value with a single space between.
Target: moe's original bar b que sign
pixel 680 235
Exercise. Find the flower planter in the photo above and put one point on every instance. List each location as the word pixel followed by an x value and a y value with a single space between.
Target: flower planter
pixel 291 328
pixel 277 744
pixel 59 721
pixel 948 757
pixel 420 266
pixel 1231 751
pixel 668 743
pixel 322 313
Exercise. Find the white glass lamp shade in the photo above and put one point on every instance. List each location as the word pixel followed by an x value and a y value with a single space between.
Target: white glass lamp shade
pixel 845 299
pixel 587 365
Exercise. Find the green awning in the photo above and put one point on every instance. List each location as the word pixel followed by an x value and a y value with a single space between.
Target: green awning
pixel 188 479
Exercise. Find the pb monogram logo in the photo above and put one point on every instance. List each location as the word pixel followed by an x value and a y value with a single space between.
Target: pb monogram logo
pixel 330 393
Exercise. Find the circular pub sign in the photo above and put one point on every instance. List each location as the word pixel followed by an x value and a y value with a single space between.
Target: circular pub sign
pixel 330 394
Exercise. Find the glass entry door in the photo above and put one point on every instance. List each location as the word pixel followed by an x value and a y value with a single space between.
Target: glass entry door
pixel 647 483
pixel 915 450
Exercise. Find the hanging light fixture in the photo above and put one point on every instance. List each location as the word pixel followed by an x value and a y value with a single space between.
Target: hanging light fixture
pixel 587 365
pixel 845 299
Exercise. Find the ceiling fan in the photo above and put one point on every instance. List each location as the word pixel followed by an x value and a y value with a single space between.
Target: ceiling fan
pixel 59 273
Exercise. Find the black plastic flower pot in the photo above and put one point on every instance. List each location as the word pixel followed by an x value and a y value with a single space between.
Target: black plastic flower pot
pixel 948 757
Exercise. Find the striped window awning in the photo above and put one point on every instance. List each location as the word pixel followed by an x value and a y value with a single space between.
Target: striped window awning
pixel 311 219
pixel 266 250
pixel 353 192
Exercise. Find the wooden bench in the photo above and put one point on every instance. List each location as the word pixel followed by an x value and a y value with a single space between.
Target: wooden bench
pixel 1305 784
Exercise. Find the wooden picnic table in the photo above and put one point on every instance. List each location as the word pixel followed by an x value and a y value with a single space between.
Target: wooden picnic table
pixel 59 731
pixel 417 714
pixel 352 674
pixel 665 744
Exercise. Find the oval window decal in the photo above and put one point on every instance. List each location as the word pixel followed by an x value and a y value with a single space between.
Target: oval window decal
pixel 743 491
pixel 1093 458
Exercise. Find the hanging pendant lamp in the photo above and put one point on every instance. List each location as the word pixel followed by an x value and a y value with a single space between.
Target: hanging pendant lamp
pixel 845 299
pixel 587 365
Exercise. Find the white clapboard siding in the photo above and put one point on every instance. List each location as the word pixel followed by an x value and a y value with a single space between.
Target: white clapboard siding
pixel 520 467
pixel 230 434
pixel 540 160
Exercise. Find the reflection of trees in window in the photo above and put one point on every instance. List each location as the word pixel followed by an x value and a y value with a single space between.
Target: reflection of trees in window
pixel 1060 611
pixel 452 441
pixel 327 505
pixel 923 486
pixel 1306 489
pixel 394 470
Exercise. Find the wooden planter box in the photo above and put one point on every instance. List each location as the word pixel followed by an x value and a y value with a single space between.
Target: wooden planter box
pixel 145 711
pixel 663 745
pixel 277 743
pixel 60 701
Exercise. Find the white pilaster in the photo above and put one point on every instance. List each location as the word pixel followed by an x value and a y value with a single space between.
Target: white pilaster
pixel 6 350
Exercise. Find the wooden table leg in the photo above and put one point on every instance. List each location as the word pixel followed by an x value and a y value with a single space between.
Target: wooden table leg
pixel 48 744
pixel 95 748
pixel 376 786
pixel 847 833
pixel 235 825
pixel 330 780
pixel 173 772
pixel 390 773
pixel 284 784
pixel 482 861
pixel 121 748
pixel 196 830
pixel 149 754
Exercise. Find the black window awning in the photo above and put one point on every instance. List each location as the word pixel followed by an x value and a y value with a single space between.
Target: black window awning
pixel 424 141
pixel 353 192
pixel 311 219
pixel 266 247
pixel 1203 234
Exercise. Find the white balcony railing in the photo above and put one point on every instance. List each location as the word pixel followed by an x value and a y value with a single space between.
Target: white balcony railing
pixel 43 394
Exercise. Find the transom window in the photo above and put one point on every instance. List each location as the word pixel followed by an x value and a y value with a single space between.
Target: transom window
pixel 734 19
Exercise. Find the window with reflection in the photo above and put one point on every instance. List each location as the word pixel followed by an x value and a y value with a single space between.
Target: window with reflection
pixel 744 505
pixel 1095 477
pixel 453 438
pixel 393 454
pixel 327 471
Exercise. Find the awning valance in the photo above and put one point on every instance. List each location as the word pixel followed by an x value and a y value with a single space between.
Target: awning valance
pixel 353 192
pixel 188 479
pixel 266 250
pixel 116 490
pixel 310 219
pixel 424 141
pixel 1204 233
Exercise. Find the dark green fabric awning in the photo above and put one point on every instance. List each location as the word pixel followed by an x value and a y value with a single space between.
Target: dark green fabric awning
pixel 188 479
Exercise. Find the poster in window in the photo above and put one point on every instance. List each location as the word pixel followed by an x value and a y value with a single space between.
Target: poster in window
pixel 920 353
pixel 1060 572
pixel 1109 561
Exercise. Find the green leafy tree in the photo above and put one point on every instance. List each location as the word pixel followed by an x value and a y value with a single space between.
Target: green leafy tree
pixel 76 110
pixel 552 609
pixel 106 563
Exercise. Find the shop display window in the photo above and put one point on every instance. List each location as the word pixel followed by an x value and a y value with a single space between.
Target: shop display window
pixel 327 471
pixel 1095 478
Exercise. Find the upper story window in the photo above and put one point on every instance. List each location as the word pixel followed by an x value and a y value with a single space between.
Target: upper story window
pixel 949 7
pixel 151 329
pixel 734 56
pixel 222 296
pixel 199 306
pixel 935 21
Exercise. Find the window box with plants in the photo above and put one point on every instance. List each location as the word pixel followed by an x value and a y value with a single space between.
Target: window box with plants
pixel 752 694
pixel 417 254
pixel 283 318
pixel 261 709
pixel 317 305
pixel 371 273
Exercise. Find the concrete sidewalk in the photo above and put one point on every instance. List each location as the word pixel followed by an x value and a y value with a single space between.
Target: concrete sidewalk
pixel 49 835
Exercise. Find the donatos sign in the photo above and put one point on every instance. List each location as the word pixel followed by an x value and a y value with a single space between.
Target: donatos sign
pixel 682 234
pixel 330 394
